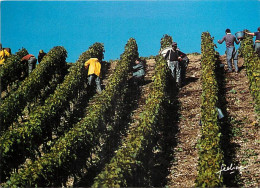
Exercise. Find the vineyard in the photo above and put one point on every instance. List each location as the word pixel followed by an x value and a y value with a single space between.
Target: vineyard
pixel 56 131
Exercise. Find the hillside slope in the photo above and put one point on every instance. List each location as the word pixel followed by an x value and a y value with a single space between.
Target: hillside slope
pixel 171 156
pixel 239 129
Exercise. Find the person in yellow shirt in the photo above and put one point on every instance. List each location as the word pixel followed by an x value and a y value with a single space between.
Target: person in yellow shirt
pixel 3 54
pixel 94 68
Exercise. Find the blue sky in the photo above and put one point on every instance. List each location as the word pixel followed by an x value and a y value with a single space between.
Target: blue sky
pixel 76 25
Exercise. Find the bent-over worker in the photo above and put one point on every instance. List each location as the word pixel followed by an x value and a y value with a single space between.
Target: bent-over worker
pixel 31 59
pixel 3 54
pixel 138 71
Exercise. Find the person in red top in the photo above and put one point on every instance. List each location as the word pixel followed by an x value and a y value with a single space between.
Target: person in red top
pixel 31 62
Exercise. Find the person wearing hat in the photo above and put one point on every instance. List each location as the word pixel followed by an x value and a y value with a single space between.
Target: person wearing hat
pixel 31 59
pixel 257 40
pixel 93 65
pixel 231 51
pixel 3 54
pixel 41 55
pixel 174 57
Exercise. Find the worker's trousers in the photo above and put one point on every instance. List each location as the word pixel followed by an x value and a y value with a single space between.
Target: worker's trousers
pixel 175 68
pixel 31 64
pixel 257 48
pixel 97 80
pixel 232 53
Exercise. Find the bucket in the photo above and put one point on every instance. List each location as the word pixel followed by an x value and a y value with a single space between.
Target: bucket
pixel 240 34
pixel 220 113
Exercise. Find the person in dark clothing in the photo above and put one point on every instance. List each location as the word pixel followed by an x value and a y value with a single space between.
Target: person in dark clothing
pixel 41 55
pixel 231 51
pixel 138 71
pixel 174 57
pixel 184 64
pixel 257 40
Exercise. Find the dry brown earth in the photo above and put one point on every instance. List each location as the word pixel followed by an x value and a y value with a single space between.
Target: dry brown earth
pixel 243 127
pixel 184 167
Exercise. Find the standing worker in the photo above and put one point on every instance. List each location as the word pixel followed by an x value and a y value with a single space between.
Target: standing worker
pixel 174 57
pixel 31 62
pixel 41 55
pixel 231 51
pixel 3 54
pixel 94 68
pixel 257 40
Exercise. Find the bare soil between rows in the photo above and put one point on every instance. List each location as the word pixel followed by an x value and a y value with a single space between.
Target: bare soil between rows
pixel 240 132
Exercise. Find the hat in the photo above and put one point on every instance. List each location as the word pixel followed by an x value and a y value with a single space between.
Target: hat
pixel 174 44
pixel 41 51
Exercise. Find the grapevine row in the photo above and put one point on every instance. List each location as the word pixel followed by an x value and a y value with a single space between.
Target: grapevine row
pixel 31 86
pixel 22 140
pixel 126 157
pixel 210 153
pixel 252 63
pixel 13 69
pixel 83 136
pixel 166 41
